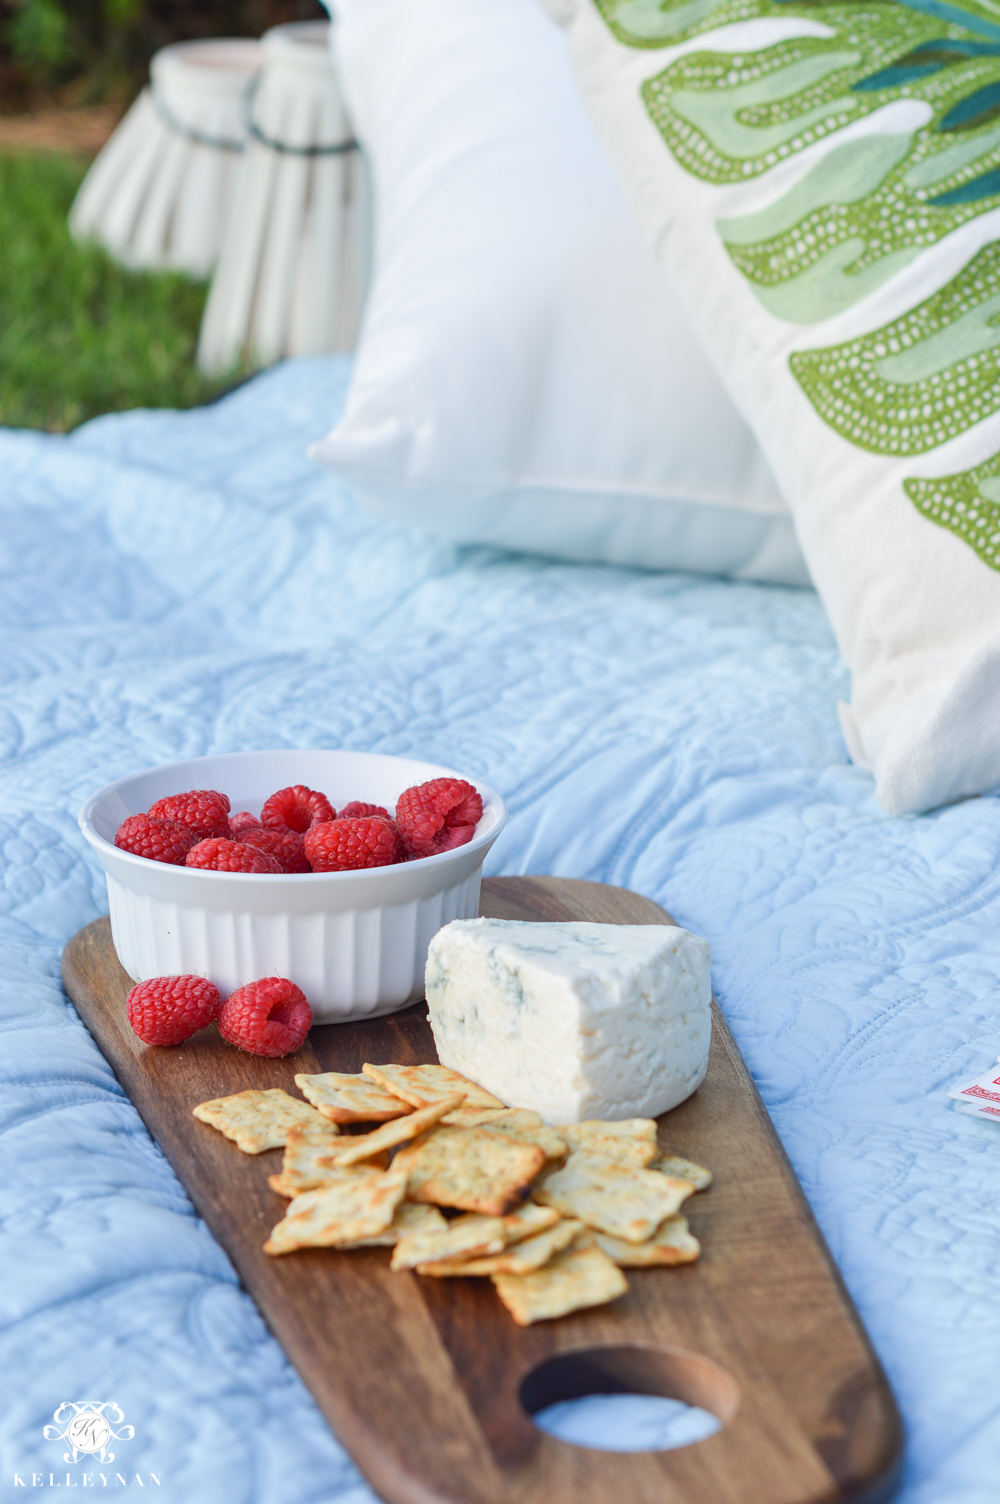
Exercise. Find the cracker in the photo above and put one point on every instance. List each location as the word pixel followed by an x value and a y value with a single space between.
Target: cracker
pixel 570 1281
pixel 526 1221
pixel 296 1184
pixel 307 1161
pixel 351 1099
pixel 683 1169
pixel 306 1158
pixel 352 1151
pixel 259 1120
pixel 408 1217
pixel 671 1243
pixel 613 1197
pixel 359 1206
pixel 420 1085
pixel 470 1168
pixel 521 1259
pixel 279 1184
pixel 520 1123
pixel 463 1236
pixel 632 1141
pixel 470 1117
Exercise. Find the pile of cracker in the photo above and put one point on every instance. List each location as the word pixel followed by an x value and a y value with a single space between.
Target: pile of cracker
pixel 550 1215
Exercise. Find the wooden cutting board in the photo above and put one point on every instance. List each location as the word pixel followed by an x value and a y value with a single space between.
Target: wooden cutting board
pixel 423 1379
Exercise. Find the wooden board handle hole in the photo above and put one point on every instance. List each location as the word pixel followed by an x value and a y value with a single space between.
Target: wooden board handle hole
pixel 663 1373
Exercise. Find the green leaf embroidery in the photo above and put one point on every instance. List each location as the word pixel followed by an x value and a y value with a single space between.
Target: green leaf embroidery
pixel 920 380
pixel 968 505
pixel 863 211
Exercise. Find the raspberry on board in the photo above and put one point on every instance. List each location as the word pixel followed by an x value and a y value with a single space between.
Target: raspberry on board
pixel 241 822
pixel 168 1010
pixel 230 856
pixel 346 845
pixel 438 815
pixel 286 846
pixel 157 840
pixel 358 811
pixel 206 811
pixel 296 808
pixel 269 1017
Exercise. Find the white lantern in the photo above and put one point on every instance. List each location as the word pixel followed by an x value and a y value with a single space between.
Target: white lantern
pixel 161 192
pixel 294 266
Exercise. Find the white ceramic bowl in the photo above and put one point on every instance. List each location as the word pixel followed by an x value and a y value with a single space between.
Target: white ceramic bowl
pixel 355 942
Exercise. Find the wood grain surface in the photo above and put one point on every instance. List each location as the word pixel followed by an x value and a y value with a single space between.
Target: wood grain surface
pixel 425 1381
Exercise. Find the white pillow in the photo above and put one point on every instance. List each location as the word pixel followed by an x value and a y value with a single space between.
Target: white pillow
pixel 820 182
pixel 524 378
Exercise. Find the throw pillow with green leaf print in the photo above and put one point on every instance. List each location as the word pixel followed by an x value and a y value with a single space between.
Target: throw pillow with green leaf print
pixel 822 184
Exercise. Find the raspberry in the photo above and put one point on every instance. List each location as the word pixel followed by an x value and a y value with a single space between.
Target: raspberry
pixel 239 824
pixel 230 856
pixel 157 840
pixel 168 1010
pixel 400 843
pixel 358 811
pixel 269 1017
pixel 296 808
pixel 438 816
pixel 343 845
pixel 204 810
pixel 285 846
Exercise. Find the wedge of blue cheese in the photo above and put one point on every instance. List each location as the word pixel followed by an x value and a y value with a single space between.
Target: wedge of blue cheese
pixel 573 1021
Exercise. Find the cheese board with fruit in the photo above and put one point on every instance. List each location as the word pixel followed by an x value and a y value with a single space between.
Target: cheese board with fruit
pixel 431 1338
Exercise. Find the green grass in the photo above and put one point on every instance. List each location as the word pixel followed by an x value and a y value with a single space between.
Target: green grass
pixel 78 334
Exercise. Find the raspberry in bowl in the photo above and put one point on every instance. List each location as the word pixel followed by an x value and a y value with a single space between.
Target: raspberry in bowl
pixel 353 939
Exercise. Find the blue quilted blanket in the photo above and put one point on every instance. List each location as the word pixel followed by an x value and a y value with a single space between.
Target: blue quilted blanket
pixel 176 584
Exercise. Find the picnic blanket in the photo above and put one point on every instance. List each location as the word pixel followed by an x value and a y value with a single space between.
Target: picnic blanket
pixel 182 583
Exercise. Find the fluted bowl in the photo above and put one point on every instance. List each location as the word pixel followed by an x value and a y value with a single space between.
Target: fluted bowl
pixel 355 942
